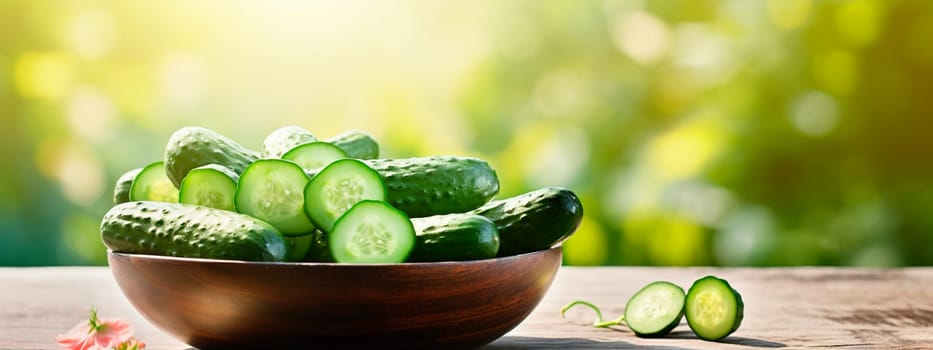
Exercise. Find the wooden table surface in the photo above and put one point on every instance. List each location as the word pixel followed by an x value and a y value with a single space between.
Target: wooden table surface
pixel 784 307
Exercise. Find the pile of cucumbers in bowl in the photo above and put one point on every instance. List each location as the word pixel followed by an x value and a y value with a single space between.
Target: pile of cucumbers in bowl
pixel 303 199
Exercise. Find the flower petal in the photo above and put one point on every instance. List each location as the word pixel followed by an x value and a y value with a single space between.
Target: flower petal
pixel 113 331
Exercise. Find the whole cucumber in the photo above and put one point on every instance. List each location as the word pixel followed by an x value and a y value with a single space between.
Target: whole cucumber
pixel 121 190
pixel 438 185
pixel 535 220
pixel 454 237
pixel 190 231
pixel 192 146
pixel 356 144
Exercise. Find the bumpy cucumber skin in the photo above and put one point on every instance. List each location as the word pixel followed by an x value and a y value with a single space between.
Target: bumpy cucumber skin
pixel 454 237
pixel 283 139
pixel 739 306
pixel 671 325
pixel 192 146
pixel 437 185
pixel 190 231
pixel 356 144
pixel 535 220
pixel 121 190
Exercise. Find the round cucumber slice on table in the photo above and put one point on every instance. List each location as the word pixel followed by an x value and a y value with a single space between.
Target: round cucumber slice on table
pixel 212 186
pixel 337 187
pixel 271 190
pixel 152 184
pixel 314 155
pixel 372 232
pixel 713 308
pixel 655 309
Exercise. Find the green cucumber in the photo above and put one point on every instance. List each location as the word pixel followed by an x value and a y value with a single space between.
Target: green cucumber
pixel 714 309
pixel 191 147
pixel 535 220
pixel 435 185
pixel 314 155
pixel 186 230
pixel 337 187
pixel 121 190
pixel 356 144
pixel 284 139
pixel 273 190
pixel 451 237
pixel 151 184
pixel 454 237
pixel 318 251
pixel 298 247
pixel 372 232
pixel 211 186
pixel 655 309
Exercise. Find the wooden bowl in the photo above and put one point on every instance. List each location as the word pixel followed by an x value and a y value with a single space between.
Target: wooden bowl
pixel 236 304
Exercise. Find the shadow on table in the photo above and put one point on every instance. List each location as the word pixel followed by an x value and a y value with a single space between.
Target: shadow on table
pixel 751 342
pixel 518 343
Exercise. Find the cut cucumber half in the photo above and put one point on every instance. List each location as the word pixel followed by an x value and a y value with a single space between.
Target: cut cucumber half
pixel 655 309
pixel 271 190
pixel 372 232
pixel 713 308
pixel 337 187
pixel 211 186
pixel 314 155
pixel 152 184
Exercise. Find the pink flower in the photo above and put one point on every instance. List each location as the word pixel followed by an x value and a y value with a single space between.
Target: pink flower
pixel 100 334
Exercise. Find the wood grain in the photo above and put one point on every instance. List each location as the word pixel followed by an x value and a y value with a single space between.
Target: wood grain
pixel 794 308
pixel 223 304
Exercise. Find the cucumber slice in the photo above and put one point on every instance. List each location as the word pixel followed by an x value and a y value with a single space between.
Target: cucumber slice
pixel 152 184
pixel 271 190
pixel 314 155
pixel 337 187
pixel 372 232
pixel 655 309
pixel 211 186
pixel 713 308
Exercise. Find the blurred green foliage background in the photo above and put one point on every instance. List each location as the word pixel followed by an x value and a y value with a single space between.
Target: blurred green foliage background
pixel 734 132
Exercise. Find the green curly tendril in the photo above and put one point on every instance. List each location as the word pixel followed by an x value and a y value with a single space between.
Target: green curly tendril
pixel 599 323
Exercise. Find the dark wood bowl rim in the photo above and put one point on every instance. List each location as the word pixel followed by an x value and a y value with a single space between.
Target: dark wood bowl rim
pixel 321 264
